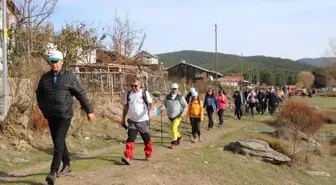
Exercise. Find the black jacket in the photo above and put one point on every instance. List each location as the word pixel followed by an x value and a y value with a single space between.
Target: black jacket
pixel 56 100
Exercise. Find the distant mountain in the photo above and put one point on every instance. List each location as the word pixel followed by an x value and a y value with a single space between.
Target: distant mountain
pixel 317 61
pixel 230 63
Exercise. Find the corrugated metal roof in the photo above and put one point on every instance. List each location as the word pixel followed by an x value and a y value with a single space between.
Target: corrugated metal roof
pixel 195 66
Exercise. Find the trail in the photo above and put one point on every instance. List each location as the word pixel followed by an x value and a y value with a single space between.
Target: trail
pixel 141 171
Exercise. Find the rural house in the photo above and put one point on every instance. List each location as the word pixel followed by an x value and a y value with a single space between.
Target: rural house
pixel 190 72
pixel 147 58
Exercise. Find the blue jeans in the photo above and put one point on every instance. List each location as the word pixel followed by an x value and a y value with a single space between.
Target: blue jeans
pixel 239 111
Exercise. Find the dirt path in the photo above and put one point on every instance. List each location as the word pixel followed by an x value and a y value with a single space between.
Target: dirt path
pixel 146 172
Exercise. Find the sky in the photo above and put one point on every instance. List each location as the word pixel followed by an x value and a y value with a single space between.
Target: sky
pixel 281 28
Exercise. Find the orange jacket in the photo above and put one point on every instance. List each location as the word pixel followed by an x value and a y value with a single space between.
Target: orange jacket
pixel 195 110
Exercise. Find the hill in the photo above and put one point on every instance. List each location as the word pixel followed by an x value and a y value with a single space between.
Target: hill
pixel 229 63
pixel 317 61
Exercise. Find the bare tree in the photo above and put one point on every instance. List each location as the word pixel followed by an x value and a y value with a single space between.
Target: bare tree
pixel 126 42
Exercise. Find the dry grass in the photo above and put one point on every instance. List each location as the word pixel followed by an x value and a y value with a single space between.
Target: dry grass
pixel 329 116
pixel 329 94
pixel 275 143
pixel 326 149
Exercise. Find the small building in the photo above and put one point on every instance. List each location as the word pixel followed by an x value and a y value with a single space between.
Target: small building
pixel 235 78
pixel 190 72
pixel 228 82
pixel 147 58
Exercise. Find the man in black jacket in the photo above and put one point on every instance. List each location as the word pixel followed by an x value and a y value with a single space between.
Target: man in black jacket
pixel 54 95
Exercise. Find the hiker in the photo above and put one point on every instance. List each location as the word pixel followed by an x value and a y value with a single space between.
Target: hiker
pixel 211 106
pixel 189 96
pixel 261 99
pixel 246 106
pixel 313 93
pixel 195 113
pixel 54 95
pixel 252 99
pixel 239 102
pixel 272 101
pixel 222 101
pixel 177 108
pixel 139 107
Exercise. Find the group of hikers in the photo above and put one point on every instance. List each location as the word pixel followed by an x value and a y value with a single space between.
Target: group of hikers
pixel 57 87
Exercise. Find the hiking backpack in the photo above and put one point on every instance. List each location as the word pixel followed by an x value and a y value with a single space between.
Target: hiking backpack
pixel 144 96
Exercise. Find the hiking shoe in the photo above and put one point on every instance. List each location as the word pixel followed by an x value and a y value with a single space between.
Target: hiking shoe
pixel 194 140
pixel 66 170
pixel 179 140
pixel 126 160
pixel 147 158
pixel 200 139
pixel 172 146
pixel 51 178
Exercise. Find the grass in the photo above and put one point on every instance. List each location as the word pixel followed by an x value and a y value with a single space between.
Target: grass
pixel 207 165
pixel 224 167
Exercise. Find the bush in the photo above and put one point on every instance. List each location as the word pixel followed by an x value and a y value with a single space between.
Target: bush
pixel 275 143
pixel 329 94
pixel 302 117
pixel 329 116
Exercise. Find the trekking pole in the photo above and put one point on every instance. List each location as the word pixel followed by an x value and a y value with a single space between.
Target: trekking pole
pixel 161 129
pixel 188 130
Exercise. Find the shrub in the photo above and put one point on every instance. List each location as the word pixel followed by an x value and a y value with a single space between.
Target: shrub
pixel 329 116
pixel 301 118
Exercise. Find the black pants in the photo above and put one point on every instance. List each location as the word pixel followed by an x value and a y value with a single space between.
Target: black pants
pixel 221 116
pixel 261 107
pixel 59 129
pixel 195 126
pixel 251 106
pixel 210 112
pixel 239 111
pixel 272 109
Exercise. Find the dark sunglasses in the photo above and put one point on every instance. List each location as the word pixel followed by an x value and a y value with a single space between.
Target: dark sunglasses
pixel 135 86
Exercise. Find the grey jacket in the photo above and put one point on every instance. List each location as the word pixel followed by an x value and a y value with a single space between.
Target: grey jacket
pixel 175 107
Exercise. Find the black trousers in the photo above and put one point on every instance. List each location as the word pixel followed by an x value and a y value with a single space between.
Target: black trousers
pixel 272 109
pixel 195 126
pixel 221 116
pixel 261 107
pixel 59 130
pixel 210 112
pixel 251 106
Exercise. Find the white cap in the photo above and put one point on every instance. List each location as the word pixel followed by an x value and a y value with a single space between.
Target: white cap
pixel 55 56
pixel 174 86
pixel 192 90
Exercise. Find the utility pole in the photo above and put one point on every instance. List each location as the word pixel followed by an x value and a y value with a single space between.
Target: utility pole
pixel 4 58
pixel 216 58
pixel 241 64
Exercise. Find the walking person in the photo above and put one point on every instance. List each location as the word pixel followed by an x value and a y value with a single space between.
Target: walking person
pixel 222 101
pixel 177 108
pixel 211 106
pixel 261 99
pixel 54 94
pixel 272 102
pixel 252 100
pixel 189 95
pixel 195 113
pixel 239 102
pixel 139 107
